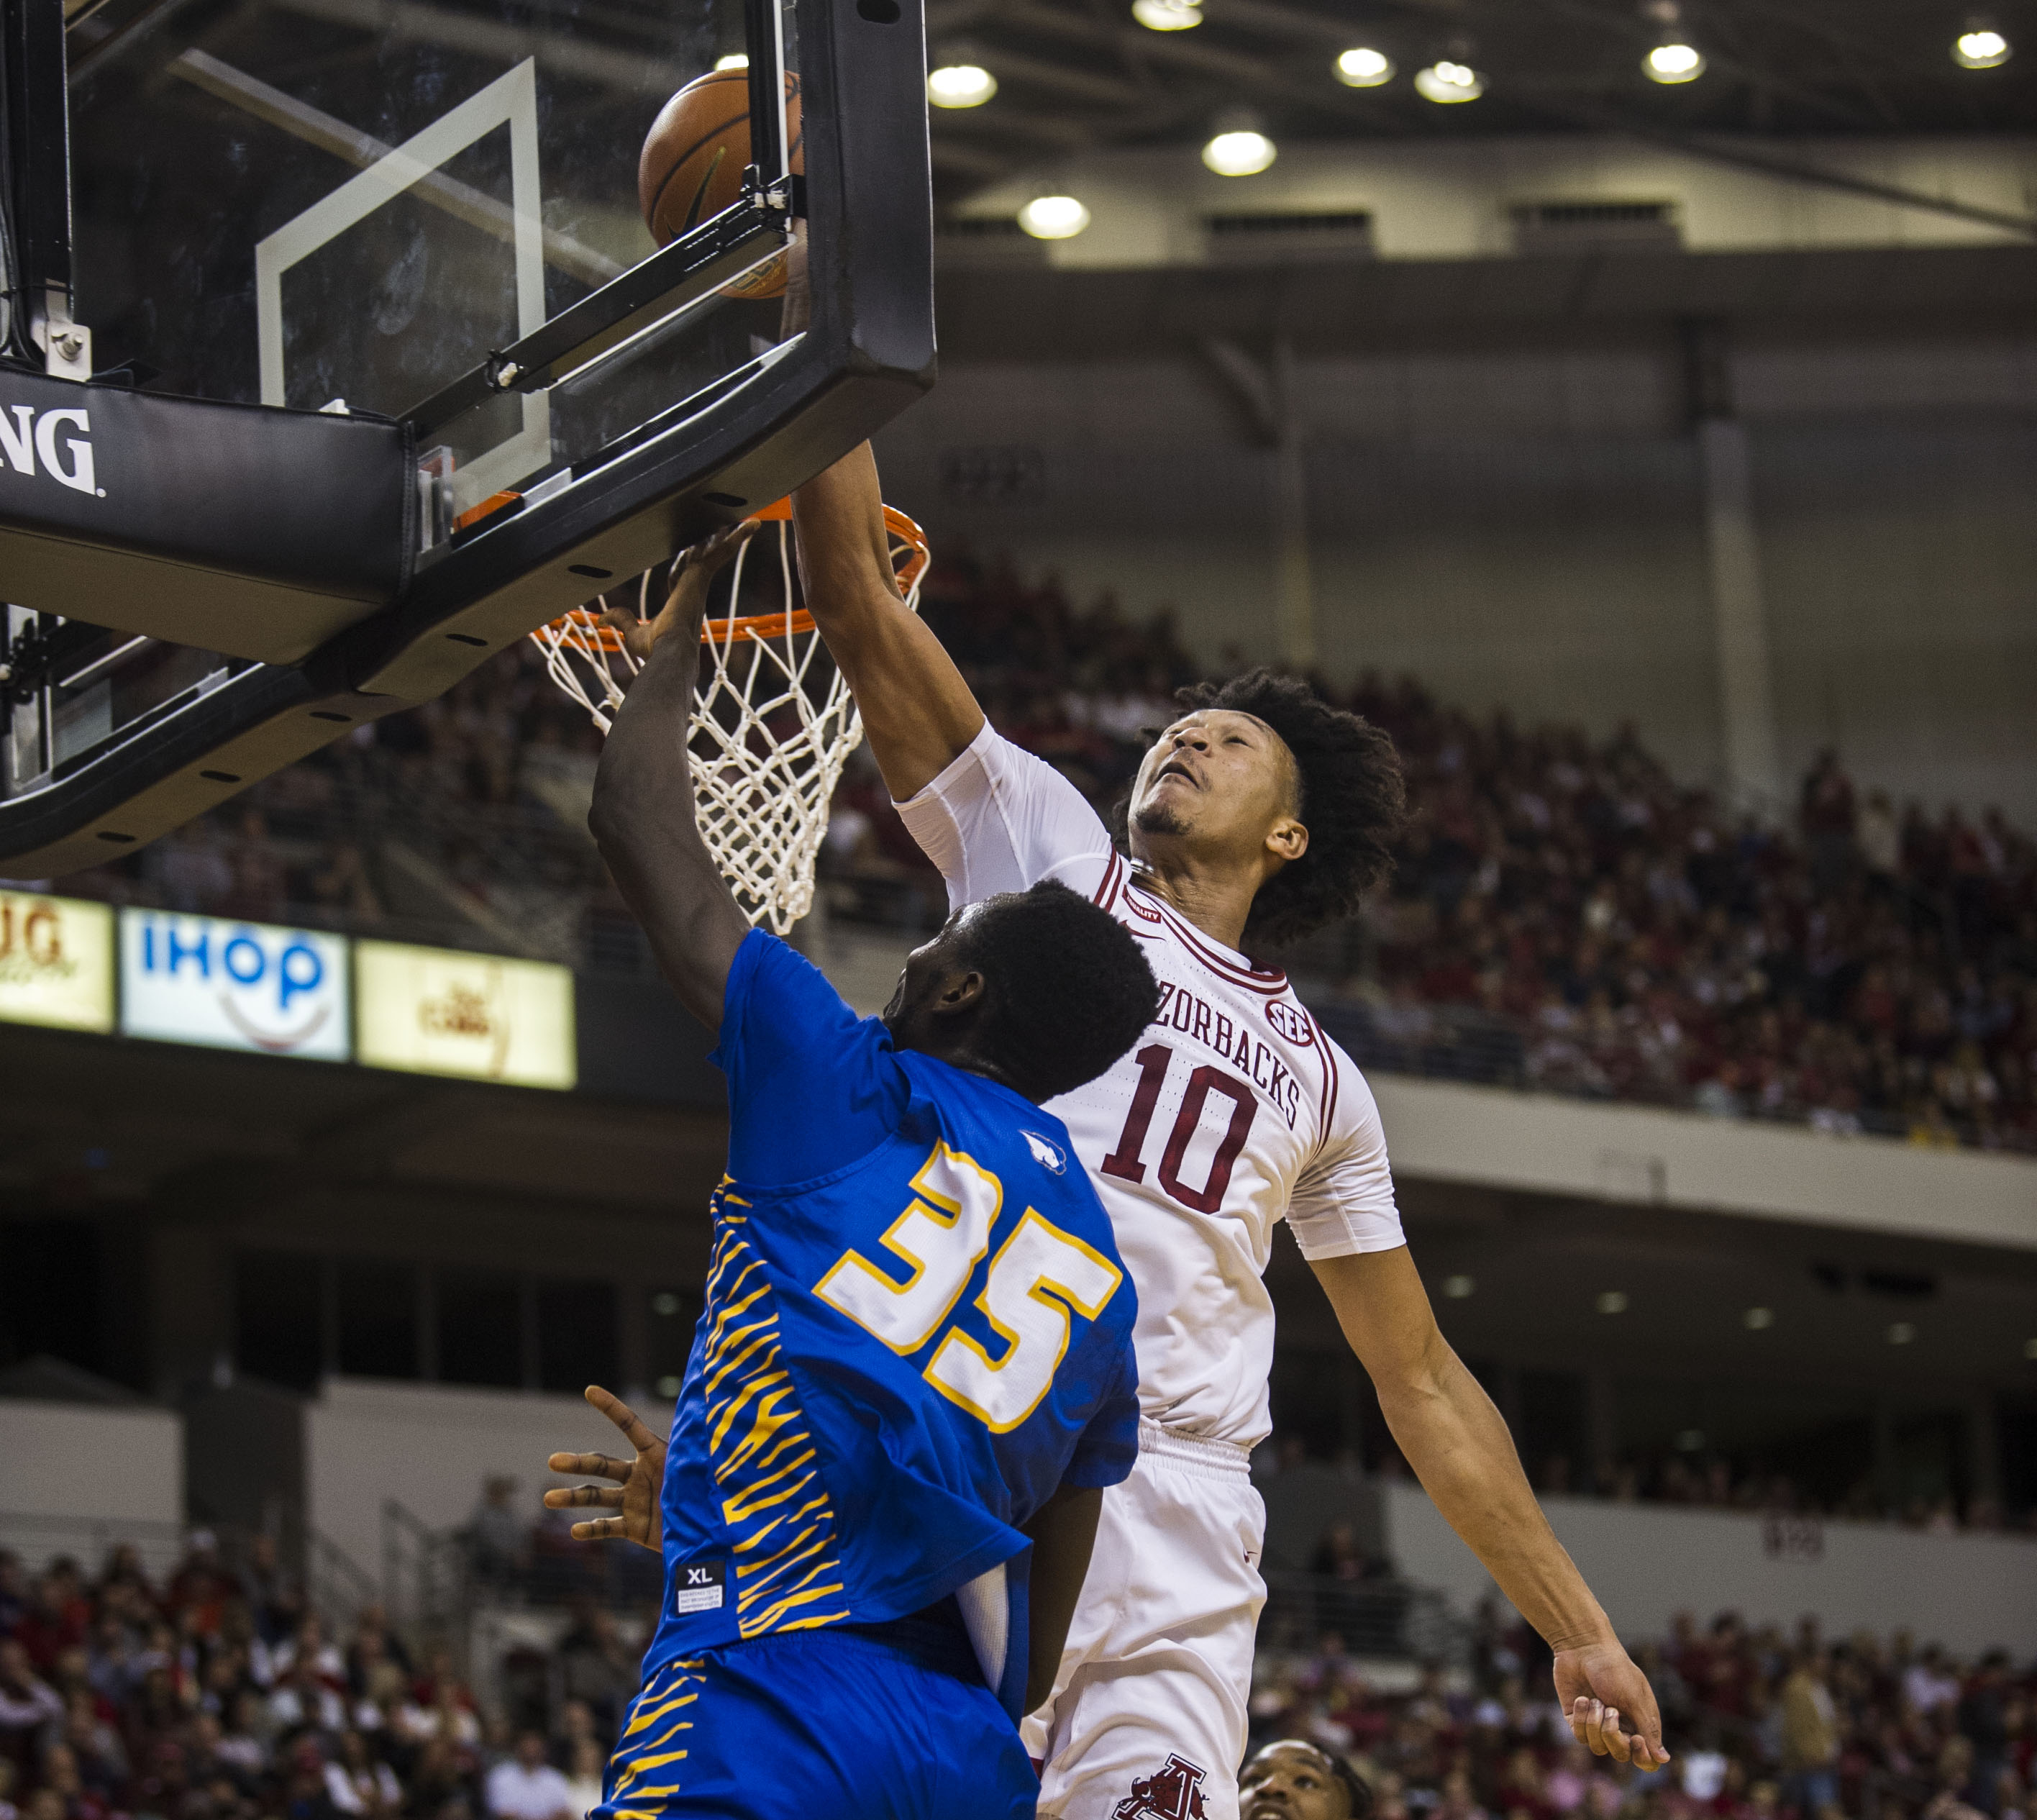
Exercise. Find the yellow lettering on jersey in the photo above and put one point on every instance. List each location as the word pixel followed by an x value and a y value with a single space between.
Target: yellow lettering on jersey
pixel 939 1238
pixel 1036 1265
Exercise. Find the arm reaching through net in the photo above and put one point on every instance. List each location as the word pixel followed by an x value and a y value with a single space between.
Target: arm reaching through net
pixel 916 709
pixel 991 817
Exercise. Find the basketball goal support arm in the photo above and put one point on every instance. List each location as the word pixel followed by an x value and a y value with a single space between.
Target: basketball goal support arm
pixel 918 713
pixel 643 819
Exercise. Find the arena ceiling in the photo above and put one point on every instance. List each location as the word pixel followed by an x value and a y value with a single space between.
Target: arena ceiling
pixel 1076 74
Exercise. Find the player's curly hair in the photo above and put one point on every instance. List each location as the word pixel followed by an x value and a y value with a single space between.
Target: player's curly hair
pixel 1354 803
pixel 1069 990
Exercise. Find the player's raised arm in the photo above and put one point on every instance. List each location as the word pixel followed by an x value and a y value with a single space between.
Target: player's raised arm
pixel 1457 1443
pixel 916 707
pixel 917 710
pixel 643 817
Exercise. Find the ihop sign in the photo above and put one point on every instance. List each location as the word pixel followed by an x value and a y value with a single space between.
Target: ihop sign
pixel 234 985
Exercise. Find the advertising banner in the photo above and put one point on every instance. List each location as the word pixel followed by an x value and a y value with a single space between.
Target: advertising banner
pixel 56 962
pixel 234 985
pixel 435 1011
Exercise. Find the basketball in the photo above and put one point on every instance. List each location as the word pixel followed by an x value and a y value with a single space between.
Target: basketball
pixel 693 162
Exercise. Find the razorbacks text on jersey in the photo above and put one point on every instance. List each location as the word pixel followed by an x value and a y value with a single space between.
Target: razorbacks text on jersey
pixel 917 1326
pixel 1236 1110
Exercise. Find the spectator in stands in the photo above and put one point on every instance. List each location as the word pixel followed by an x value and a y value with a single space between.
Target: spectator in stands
pixel 498 1535
pixel 585 1768
pixel 1293 1780
pixel 527 1788
pixel 1810 1739
pixel 1566 914
pixel 27 1705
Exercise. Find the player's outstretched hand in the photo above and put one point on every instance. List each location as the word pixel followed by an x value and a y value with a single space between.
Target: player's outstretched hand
pixel 1610 1705
pixel 635 1492
pixel 687 604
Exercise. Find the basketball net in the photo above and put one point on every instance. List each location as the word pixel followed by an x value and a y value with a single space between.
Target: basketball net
pixel 770 730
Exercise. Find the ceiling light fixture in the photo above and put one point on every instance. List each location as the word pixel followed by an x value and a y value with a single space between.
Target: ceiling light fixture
pixel 1167 15
pixel 735 60
pixel 1360 68
pixel 1447 80
pixel 1053 218
pixel 1242 152
pixel 1980 46
pixel 960 85
pixel 1673 61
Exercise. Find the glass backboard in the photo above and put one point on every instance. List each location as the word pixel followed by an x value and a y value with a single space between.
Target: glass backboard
pixel 426 210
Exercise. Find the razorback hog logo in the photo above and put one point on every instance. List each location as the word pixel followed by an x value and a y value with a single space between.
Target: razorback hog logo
pixel 28 440
pixel 1173 1792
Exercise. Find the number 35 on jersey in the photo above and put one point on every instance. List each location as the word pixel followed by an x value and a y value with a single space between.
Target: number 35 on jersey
pixel 1041 1278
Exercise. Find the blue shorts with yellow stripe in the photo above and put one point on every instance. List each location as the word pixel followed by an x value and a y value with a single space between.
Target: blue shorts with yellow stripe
pixel 837 1724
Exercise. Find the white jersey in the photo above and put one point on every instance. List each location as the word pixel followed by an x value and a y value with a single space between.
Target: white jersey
pixel 1234 1111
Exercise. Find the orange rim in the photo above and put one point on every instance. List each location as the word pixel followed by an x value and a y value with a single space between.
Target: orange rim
pixel 767 625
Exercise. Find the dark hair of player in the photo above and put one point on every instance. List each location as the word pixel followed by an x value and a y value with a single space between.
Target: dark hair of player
pixel 1354 803
pixel 1357 1796
pixel 1069 989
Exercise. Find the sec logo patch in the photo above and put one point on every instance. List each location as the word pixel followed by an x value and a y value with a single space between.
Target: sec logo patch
pixel 1291 1021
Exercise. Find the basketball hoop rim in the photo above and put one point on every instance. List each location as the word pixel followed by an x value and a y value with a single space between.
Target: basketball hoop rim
pixel 765 624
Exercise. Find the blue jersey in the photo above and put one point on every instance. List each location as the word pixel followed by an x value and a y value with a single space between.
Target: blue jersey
pixel 917 1328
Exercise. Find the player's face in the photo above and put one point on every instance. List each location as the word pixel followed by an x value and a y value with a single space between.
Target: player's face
pixel 1287 1782
pixel 930 969
pixel 1218 778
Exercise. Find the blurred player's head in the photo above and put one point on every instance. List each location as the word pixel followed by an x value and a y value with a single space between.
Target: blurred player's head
pixel 1260 772
pixel 1040 989
pixel 1292 1781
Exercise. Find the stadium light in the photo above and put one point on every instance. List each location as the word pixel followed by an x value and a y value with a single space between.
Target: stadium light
pixel 1445 81
pixel 1167 15
pixel 1757 1320
pixel 1901 1333
pixel 1980 46
pixel 960 85
pixel 1243 152
pixel 1457 1288
pixel 1361 68
pixel 1053 218
pixel 1612 1302
pixel 1673 61
pixel 735 60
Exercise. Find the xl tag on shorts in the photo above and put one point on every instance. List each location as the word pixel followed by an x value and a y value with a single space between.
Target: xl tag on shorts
pixel 698 1586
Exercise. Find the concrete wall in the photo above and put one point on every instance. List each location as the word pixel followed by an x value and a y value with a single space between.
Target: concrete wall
pixel 1642 1156
pixel 1521 526
pixel 79 1478
pixel 1969 1592
pixel 431 1448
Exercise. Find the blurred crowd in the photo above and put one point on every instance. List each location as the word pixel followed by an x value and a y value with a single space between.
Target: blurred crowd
pixel 1565 915
pixel 221 1694
pixel 1760 1726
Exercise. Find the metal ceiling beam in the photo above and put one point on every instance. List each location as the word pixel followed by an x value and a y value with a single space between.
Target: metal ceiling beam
pixel 1233 69
pixel 1078 84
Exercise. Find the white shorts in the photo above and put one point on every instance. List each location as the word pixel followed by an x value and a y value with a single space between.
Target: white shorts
pixel 1149 1712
